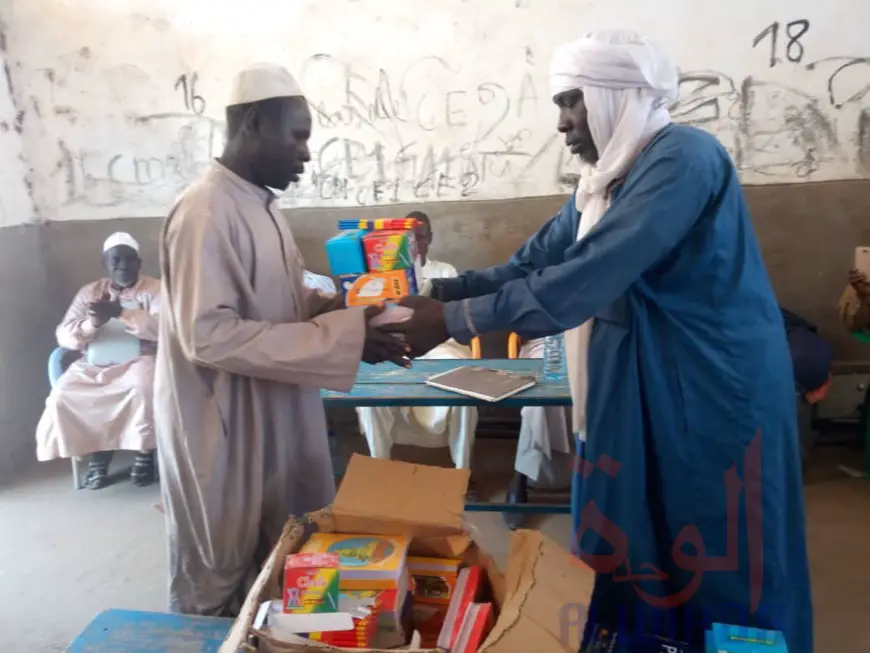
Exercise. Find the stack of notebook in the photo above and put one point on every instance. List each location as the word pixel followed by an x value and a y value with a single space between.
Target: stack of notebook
pixel 372 569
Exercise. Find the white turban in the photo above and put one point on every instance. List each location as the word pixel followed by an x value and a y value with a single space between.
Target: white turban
pixel 627 83
pixel 120 238
pixel 616 60
pixel 262 82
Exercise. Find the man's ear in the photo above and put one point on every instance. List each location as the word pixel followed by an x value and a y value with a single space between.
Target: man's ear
pixel 251 122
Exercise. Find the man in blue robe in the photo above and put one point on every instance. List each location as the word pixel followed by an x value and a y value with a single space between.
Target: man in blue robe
pixel 688 498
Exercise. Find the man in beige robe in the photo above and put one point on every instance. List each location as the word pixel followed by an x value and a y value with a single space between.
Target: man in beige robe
pixel 103 402
pixel 245 349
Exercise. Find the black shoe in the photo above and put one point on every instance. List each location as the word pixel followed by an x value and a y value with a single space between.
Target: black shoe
pixel 517 493
pixel 98 470
pixel 142 473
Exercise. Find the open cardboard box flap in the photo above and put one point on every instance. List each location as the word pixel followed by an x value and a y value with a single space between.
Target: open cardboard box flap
pixel 390 498
pixel 547 596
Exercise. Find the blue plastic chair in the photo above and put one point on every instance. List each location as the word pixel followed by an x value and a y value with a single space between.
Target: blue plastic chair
pixel 56 367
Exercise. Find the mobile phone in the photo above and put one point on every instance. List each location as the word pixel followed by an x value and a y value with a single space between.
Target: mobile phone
pixel 862 260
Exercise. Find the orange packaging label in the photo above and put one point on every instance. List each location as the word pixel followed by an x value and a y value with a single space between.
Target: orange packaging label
pixel 377 287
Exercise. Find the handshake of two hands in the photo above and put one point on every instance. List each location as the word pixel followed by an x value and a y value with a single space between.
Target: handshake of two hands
pixel 398 342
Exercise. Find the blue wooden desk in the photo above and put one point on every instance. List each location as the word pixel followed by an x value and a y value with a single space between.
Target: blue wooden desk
pixel 389 385
pixel 131 631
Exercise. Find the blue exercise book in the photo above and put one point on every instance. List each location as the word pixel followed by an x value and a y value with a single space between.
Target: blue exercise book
pixel 722 638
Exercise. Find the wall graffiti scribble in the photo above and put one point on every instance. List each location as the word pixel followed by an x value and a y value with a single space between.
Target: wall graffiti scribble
pixel 425 130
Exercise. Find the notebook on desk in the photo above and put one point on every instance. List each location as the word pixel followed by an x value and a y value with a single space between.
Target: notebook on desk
pixel 113 345
pixel 482 383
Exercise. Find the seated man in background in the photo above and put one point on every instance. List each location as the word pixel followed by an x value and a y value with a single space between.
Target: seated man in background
pixel 543 435
pixel 98 407
pixel 854 306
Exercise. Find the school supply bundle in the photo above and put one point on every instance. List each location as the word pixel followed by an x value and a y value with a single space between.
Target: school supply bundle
pixel 376 260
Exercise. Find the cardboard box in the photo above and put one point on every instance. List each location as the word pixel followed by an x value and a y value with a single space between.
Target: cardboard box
pixel 427 503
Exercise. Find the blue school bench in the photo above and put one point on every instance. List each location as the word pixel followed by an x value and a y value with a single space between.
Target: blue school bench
pixel 132 631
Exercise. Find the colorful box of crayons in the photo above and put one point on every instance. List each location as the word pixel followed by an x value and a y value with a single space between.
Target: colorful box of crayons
pixel 390 250
pixel 375 260
pixel 311 583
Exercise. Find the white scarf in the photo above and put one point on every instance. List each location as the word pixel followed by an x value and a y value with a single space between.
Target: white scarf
pixel 627 82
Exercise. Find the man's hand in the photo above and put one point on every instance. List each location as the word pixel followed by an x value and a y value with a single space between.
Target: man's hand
pixel 381 346
pixel 858 280
pixel 425 329
pixel 104 309
pixel 433 288
pixel 333 303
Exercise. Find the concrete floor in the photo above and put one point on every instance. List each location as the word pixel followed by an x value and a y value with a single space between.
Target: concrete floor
pixel 66 555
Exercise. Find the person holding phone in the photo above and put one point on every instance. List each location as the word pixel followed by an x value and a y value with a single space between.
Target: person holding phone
pixel 854 306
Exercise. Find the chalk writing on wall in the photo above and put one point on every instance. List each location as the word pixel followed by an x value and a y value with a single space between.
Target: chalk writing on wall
pixel 435 124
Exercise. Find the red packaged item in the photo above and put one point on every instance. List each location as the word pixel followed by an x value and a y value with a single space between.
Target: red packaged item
pixel 476 624
pixel 467 591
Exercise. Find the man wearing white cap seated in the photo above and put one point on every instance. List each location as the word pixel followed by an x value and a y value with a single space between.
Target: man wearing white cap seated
pixel 244 349
pixel 104 401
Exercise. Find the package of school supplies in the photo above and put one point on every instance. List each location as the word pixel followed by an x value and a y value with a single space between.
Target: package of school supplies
pixel 311 582
pixel 365 561
pixel 434 578
pixel 476 624
pixel 469 589
pixel 365 623
pixel 386 251
pixel 377 287
pixel 375 264
pixel 382 501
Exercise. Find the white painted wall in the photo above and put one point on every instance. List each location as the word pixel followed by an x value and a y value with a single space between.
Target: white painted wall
pixel 415 100
pixel 16 205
